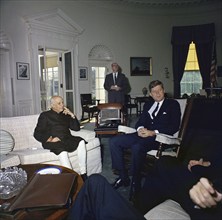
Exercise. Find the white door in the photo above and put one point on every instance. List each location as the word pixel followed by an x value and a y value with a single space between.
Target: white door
pixel 56 77
pixel 6 86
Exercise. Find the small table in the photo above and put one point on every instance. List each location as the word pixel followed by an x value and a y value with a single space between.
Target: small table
pixel 50 214
pixel 214 92
pixel 140 100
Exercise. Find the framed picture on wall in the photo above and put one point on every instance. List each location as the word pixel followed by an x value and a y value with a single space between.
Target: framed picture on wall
pixel 23 72
pixel 140 66
pixel 83 73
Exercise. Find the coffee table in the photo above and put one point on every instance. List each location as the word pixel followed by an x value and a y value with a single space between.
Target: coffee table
pixel 50 214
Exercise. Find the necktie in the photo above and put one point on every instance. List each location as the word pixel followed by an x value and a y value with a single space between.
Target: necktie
pixel 155 110
pixel 115 77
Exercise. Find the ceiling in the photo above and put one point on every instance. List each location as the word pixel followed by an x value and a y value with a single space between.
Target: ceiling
pixel 163 3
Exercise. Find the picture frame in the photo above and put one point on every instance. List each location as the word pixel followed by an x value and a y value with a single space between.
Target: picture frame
pixel 141 66
pixel 83 73
pixel 23 72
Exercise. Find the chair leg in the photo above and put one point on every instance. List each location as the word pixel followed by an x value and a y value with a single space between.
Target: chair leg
pixel 82 115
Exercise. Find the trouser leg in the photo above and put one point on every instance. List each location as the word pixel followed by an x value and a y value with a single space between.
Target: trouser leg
pixel 64 159
pixel 117 155
pixel 81 153
pixel 98 201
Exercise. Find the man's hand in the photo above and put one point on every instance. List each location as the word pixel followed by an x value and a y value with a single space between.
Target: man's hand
pixel 198 162
pixel 66 111
pixel 51 139
pixel 116 88
pixel 144 132
pixel 204 195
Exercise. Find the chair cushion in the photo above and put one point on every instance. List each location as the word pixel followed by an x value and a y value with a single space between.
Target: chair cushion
pixel 167 210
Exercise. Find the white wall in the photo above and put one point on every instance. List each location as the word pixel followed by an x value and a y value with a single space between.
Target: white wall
pixel 126 31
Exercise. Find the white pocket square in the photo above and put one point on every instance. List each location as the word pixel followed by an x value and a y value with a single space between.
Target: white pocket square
pixel 164 113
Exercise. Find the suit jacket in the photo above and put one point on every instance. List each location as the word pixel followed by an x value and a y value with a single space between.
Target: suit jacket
pixel 116 96
pixel 167 120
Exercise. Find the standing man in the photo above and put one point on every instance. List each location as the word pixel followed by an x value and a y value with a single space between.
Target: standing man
pixel 53 131
pixel 160 115
pixel 116 84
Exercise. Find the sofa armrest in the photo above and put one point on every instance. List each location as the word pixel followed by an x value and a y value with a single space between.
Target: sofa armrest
pixel 167 139
pixel 85 134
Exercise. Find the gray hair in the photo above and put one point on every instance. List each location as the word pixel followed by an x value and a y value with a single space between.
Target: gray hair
pixel 52 100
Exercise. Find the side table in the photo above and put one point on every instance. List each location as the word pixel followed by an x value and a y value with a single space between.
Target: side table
pixel 50 214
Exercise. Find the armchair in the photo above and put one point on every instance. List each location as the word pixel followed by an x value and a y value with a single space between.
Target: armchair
pixel 88 105
pixel 169 145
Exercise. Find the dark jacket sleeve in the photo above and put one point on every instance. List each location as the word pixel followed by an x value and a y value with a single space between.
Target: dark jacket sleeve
pixel 145 119
pixel 40 132
pixel 74 124
pixel 108 82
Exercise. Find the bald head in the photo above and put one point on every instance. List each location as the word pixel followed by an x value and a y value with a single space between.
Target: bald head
pixel 57 103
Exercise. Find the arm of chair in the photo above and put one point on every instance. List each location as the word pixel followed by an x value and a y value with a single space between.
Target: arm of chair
pixel 165 139
pixel 126 129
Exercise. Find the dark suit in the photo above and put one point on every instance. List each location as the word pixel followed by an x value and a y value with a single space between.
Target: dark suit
pixel 167 121
pixel 171 179
pixel 116 96
pixel 51 123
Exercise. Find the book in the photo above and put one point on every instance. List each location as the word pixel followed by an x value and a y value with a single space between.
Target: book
pixel 45 191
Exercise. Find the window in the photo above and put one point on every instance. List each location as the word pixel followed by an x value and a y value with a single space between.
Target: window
pixel 98 78
pixel 191 81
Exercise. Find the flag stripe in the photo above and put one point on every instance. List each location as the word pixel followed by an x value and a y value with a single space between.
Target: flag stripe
pixel 213 68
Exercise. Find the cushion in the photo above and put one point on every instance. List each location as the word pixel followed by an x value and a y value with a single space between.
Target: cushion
pixel 167 210
pixel 9 160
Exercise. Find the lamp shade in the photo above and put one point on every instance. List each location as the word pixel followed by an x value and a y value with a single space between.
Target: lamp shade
pixel 7 142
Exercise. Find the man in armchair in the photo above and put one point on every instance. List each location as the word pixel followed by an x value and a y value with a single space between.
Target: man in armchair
pixel 160 115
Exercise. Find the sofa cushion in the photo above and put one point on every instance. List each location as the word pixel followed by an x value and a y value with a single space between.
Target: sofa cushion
pixel 37 155
pixel 9 160
pixel 21 128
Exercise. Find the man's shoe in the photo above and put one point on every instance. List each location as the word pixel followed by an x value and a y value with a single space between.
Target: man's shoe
pixel 119 182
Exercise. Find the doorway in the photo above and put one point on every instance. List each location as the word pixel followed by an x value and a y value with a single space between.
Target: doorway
pixel 56 77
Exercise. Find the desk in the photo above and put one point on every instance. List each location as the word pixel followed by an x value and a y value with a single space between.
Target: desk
pixel 50 214
pixel 140 100
pixel 214 92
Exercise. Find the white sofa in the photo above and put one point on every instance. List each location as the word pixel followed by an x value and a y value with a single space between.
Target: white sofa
pixel 27 150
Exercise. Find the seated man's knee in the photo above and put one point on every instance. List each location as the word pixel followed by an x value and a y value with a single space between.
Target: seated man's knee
pixel 137 148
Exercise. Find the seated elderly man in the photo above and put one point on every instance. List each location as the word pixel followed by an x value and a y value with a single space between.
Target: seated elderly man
pixel 53 132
